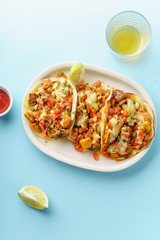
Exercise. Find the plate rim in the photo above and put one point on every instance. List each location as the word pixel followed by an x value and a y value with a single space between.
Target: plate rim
pixel 126 163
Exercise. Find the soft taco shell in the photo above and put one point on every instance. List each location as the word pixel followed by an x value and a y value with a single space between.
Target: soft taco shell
pixel 139 127
pixel 28 108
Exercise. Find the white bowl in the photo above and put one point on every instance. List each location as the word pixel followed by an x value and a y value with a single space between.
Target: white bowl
pixel 5 89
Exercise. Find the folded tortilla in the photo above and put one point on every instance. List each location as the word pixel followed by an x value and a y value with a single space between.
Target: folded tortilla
pixel 129 126
pixel 50 107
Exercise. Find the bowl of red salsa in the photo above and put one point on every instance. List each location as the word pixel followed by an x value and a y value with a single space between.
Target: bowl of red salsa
pixel 5 100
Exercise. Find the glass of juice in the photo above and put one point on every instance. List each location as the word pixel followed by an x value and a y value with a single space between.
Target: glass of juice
pixel 128 33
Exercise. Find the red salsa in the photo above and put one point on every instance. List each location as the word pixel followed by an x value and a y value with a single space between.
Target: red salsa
pixel 4 101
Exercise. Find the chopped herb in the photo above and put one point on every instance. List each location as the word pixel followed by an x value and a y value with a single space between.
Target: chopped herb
pixel 68 112
pixel 84 110
pixel 124 140
pixel 67 85
pixel 93 146
pixel 65 81
pixel 118 138
pixel 63 91
pixel 58 136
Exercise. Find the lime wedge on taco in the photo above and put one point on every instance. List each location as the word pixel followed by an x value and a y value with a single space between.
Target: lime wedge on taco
pixel 76 74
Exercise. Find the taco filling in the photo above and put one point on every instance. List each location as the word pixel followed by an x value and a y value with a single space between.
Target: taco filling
pixel 49 107
pixel 86 132
pixel 129 126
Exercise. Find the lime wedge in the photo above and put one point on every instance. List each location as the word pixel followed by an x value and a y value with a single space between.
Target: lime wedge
pixel 34 197
pixel 76 74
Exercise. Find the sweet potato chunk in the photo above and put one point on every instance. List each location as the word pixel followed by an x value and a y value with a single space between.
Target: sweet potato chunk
pixel 66 121
pixel 35 126
pixel 147 126
pixel 88 107
pixel 32 99
pixel 86 143
pixel 29 116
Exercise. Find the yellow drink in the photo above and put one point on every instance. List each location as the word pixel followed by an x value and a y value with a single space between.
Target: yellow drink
pixel 127 40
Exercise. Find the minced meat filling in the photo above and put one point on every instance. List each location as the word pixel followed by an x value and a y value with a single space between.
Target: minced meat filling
pixel 128 127
pixel 51 108
pixel 86 132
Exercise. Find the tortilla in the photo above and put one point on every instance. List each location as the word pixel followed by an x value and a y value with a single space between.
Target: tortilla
pixel 129 127
pixel 50 107
pixel 90 115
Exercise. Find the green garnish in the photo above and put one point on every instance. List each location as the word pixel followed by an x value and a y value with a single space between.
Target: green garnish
pixel 95 105
pixel 67 85
pixel 58 136
pixel 84 110
pixel 118 138
pixel 68 112
pixel 65 81
pixel 63 91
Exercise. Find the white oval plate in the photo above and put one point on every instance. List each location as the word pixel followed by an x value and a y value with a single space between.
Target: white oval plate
pixel 64 151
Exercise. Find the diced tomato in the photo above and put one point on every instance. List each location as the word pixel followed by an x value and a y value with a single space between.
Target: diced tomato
pixel 119 113
pixel 93 113
pixel 57 112
pixel 140 134
pixel 83 127
pixel 90 134
pixel 52 100
pixel 37 114
pixel 63 109
pixel 125 113
pixel 125 120
pixel 111 111
pixel 80 149
pixel 48 116
pixel 41 106
pixel 59 123
pixel 96 156
pixel 81 86
pixel 100 115
pixel 85 96
pixel 49 104
pixel 109 124
pixel 136 143
pixel 41 123
pixel 58 105
pixel 67 98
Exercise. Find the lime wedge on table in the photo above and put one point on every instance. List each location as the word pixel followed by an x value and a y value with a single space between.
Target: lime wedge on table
pixel 76 74
pixel 34 197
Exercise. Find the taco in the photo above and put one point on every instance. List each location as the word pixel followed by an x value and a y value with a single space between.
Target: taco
pixel 92 99
pixel 129 127
pixel 50 107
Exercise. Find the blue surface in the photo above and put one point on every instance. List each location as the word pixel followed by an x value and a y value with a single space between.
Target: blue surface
pixel 83 204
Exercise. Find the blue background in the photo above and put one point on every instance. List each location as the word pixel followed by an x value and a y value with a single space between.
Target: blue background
pixel 83 204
